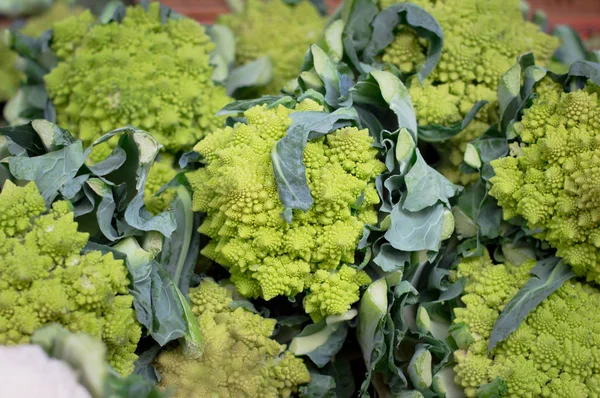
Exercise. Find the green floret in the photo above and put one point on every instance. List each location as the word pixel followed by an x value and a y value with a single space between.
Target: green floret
pixel 266 256
pixel 553 353
pixel 482 38
pixel 239 360
pixel 552 178
pixel 45 279
pixel 160 174
pixel 141 72
pixel 256 34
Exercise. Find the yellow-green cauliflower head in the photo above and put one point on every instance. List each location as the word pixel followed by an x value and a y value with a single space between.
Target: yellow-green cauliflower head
pixel 281 31
pixel 240 360
pixel 10 76
pixel 266 256
pixel 482 39
pixel 555 352
pixel 141 72
pixel 552 179
pixel 44 278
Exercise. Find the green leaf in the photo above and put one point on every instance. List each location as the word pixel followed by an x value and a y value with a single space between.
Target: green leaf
pixel 547 276
pixel 320 386
pixel 572 47
pixel 321 341
pixel 425 187
pixel 386 22
pixel 385 90
pixel 256 73
pixel 106 207
pixel 439 133
pixel 414 231
pixel 287 154
pixel 180 250
pixel 50 171
pixel 497 388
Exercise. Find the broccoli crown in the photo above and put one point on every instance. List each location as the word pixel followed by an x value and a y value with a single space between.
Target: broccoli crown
pixel 254 28
pixel 141 72
pixel 555 352
pixel 266 256
pixel 45 279
pixel 482 38
pixel 239 359
pixel 552 178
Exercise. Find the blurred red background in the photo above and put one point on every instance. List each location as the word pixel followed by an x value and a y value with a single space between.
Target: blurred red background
pixel 582 15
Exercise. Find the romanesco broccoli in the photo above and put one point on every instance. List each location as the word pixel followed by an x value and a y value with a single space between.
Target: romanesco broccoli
pixel 482 38
pixel 239 359
pixel 10 76
pixel 266 256
pixel 142 72
pixel 300 26
pixel 552 179
pixel 45 279
pixel 555 352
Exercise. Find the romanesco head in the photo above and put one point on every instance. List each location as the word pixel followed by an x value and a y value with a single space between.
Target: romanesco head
pixel 10 76
pixel 266 256
pixel 45 279
pixel 141 72
pixel 281 31
pixel 482 38
pixel 555 352
pixel 240 359
pixel 553 180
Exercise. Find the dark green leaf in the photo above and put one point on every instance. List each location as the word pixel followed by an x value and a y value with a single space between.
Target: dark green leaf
pixel 547 276
pixel 386 22
pixel 113 162
pixel 335 338
pixel 106 207
pixel 287 154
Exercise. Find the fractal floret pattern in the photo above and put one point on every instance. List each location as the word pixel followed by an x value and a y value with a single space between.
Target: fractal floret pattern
pixel 300 25
pixel 266 256
pixel 482 39
pixel 45 279
pixel 239 360
pixel 552 179
pixel 142 72
pixel 555 352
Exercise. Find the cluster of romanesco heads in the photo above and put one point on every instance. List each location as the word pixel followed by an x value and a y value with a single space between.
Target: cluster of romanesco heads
pixel 144 72
pixel 482 39
pixel 239 359
pixel 281 31
pixel 555 352
pixel 552 178
pixel 45 279
pixel 266 256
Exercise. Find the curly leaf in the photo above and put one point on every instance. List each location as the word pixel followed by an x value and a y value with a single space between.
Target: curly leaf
pixel 547 276
pixel 253 74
